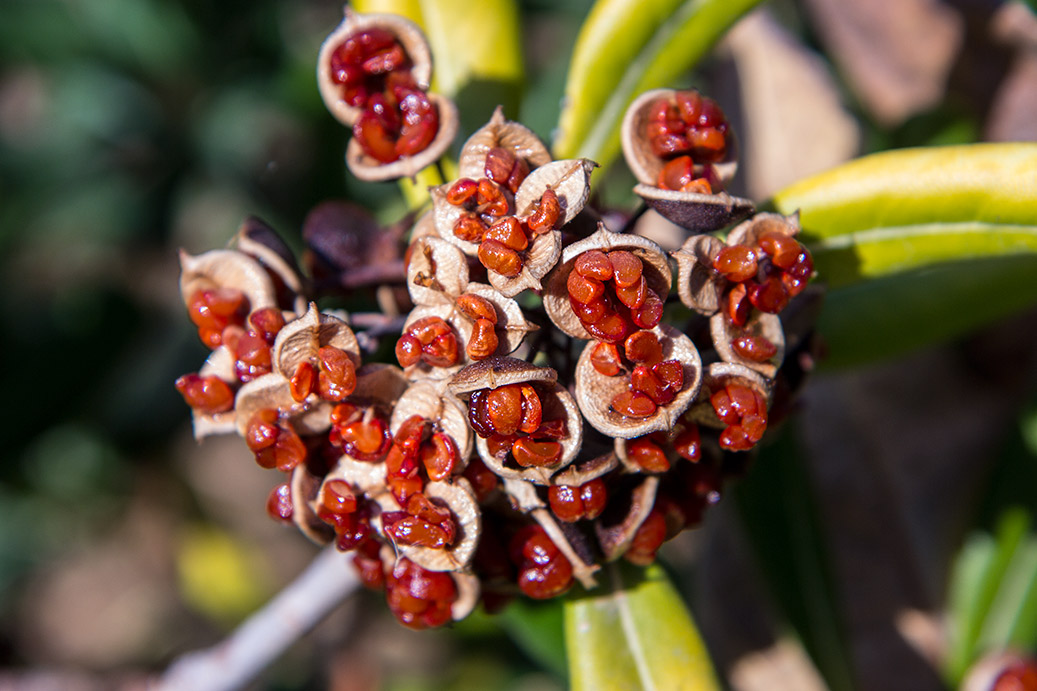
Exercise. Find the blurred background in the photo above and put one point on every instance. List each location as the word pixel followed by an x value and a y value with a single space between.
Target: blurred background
pixel 132 128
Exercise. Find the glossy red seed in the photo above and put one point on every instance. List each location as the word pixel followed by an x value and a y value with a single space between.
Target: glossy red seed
pixel 409 436
pixel 643 347
pixel 648 315
pixel 633 296
pixel 462 191
pixel 289 450
pixel 545 217
pixel 605 359
pixel 612 327
pixel 376 137
pixel 591 312
pixel 755 348
pixel 582 289
pixel 736 262
pixel 504 407
pixel 469 228
pixel 595 497
pixel 484 341
pixel 499 164
pixel 784 250
pixel 262 430
pixel 509 233
pixel 532 409
pixel 495 256
pixel 303 381
pixel 428 329
pixel 267 323
pixel 565 502
pixel 279 503
pixel 252 357
pixel 476 307
pixel 626 268
pixel 440 457
pixel 676 174
pixel 442 352
pixel 491 199
pixel 770 296
pixel 336 378
pixel 209 395
pixel 366 440
pixel 738 305
pixel 594 264
pixel 648 455
pixel 408 350
pixel 634 404
pixel 420 123
pixel 721 402
pixel 530 453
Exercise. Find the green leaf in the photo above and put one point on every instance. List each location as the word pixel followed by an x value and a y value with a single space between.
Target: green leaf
pixel 538 628
pixel 919 245
pixel 638 634
pixel 624 49
pixel 476 49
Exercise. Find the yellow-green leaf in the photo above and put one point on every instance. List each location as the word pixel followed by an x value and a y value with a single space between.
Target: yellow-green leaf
pixel 635 635
pixel 625 48
pixel 919 245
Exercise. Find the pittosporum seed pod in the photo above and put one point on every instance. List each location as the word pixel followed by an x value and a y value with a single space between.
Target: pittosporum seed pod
pixel 681 149
pixel 758 344
pixel 528 427
pixel 649 393
pixel 319 355
pixel 617 281
pixel 220 288
pixel 628 509
pixel 465 518
pixel 443 413
pixel 500 134
pixel 437 271
pixel 388 43
pixel 734 399
pixel 407 164
pixel 698 284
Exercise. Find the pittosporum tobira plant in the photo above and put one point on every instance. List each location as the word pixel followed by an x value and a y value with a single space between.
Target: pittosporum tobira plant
pixel 499 458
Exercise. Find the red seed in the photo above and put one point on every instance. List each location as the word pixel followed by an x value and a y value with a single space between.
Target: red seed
pixel 303 381
pixel 440 457
pixel 783 249
pixel 643 347
pixel 504 407
pixel 736 262
pixel 209 395
pixel 469 228
pixel 584 290
pixel 336 378
pixel 532 409
pixel 634 404
pixel 546 214
pixel 770 296
pixel 499 164
pixel 591 312
pixel 648 455
pixel 594 264
pixel 442 352
pixel 279 503
pixel 755 348
pixel 509 233
pixel 565 502
pixel 528 452
pixel 476 307
pixel 648 315
pixel 649 537
pixel 495 256
pixel 490 198
pixel 613 328
pixel 687 444
pixel 484 341
pixel 366 440
pixel 633 296
pixel 626 268
pixel 262 430
pixel 462 191
pixel 267 323
pixel 605 359
pixel 408 350
pixel 676 174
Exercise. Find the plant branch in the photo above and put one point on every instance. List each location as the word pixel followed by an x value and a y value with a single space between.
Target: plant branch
pixel 262 638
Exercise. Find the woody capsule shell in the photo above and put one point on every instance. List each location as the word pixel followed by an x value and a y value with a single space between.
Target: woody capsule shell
pixel 695 210
pixel 404 31
pixel 557 407
pixel 595 392
pixel 501 133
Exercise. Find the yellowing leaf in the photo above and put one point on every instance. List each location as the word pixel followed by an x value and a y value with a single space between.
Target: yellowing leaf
pixel 638 635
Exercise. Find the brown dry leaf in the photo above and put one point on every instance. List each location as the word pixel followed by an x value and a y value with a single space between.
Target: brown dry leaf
pixel 795 124
pixel 896 54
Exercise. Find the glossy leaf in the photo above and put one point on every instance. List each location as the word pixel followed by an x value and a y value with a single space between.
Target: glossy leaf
pixel 919 245
pixel 624 49
pixel 636 633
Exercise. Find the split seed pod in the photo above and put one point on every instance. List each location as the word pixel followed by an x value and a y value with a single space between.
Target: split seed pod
pixel 367 168
pixel 556 403
pixel 406 33
pixel 500 133
pixel 305 487
pixel 226 269
pixel 596 391
pixel 656 271
pixel 459 498
pixel 431 400
pixel 719 375
pixel 698 283
pixel 616 533
pixel 694 211
pixel 256 239
pixel 220 363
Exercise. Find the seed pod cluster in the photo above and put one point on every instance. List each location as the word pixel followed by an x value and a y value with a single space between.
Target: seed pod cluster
pixel 500 458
